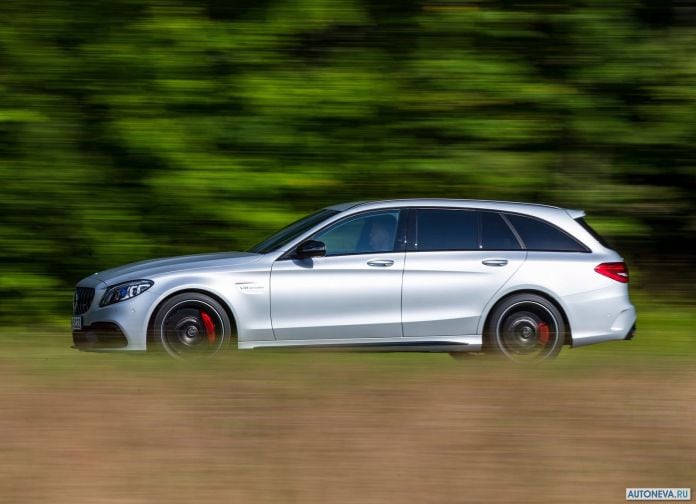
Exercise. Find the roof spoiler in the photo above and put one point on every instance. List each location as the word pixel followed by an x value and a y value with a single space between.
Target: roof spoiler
pixel 575 214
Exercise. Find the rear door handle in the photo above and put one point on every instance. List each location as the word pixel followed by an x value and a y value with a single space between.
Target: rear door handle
pixel 494 262
pixel 380 263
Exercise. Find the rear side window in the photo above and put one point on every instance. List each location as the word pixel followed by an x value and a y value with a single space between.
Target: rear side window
pixel 496 234
pixel 538 235
pixel 447 230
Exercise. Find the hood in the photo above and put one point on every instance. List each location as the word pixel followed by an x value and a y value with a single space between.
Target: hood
pixel 147 269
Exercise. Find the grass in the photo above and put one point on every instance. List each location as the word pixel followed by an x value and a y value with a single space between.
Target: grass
pixel 279 426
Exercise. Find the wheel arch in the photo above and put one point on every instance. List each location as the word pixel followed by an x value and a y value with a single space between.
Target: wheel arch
pixel 545 295
pixel 228 310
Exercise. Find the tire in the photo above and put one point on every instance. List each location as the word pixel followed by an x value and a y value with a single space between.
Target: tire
pixel 192 326
pixel 526 328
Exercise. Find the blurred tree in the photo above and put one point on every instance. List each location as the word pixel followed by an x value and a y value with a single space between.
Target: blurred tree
pixel 139 128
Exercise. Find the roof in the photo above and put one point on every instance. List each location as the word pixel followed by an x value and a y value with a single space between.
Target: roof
pixel 547 212
pixel 443 202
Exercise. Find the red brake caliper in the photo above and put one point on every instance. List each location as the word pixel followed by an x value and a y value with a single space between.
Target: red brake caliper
pixel 543 332
pixel 209 327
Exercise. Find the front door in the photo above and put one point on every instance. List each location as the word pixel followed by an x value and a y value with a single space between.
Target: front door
pixel 353 292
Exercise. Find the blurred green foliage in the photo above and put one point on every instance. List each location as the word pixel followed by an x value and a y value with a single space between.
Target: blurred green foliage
pixel 140 128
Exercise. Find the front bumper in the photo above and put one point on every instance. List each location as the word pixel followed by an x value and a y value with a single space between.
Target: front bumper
pixel 101 335
pixel 119 326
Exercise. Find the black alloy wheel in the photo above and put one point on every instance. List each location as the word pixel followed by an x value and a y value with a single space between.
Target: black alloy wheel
pixel 526 328
pixel 192 325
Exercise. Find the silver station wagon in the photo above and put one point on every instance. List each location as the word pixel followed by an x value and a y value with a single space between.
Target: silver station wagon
pixel 520 280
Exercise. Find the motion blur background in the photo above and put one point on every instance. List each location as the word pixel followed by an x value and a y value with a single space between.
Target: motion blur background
pixel 132 129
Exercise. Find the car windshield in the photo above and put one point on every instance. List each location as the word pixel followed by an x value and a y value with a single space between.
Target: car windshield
pixel 289 233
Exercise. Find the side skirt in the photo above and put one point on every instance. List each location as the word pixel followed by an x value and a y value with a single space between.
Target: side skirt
pixel 434 344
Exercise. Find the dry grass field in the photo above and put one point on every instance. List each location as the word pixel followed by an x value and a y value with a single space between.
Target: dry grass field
pixel 340 427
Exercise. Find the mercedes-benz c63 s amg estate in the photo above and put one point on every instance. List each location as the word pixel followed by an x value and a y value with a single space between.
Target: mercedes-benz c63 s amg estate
pixel 517 279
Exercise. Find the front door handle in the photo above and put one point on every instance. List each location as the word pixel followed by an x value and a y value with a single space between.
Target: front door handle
pixel 495 262
pixel 380 263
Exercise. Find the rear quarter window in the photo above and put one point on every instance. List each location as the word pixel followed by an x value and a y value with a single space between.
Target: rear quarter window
pixel 539 235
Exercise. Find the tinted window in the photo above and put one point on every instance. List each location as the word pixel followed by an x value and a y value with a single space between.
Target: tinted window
pixel 496 234
pixel 447 230
pixel 538 235
pixel 364 234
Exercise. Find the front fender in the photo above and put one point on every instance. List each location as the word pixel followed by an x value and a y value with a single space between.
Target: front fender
pixel 245 295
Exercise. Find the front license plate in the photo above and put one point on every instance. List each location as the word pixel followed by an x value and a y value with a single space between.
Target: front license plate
pixel 77 323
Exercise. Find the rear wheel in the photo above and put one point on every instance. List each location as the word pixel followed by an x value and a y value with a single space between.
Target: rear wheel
pixel 526 328
pixel 192 325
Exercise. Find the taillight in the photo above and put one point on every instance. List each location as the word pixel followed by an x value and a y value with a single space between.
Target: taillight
pixel 615 270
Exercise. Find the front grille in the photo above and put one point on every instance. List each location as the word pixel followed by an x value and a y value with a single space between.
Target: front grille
pixel 82 300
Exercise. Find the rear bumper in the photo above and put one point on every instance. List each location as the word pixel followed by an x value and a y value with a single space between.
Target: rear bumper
pixel 631 333
pixel 616 326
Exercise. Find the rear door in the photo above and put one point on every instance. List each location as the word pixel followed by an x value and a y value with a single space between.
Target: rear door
pixel 459 259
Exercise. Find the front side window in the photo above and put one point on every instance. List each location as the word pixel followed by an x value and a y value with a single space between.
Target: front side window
pixel 445 229
pixel 363 234
pixel 538 235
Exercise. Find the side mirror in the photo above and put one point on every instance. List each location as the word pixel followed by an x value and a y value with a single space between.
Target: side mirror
pixel 310 248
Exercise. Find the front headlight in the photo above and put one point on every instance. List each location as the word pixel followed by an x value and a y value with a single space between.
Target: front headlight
pixel 125 290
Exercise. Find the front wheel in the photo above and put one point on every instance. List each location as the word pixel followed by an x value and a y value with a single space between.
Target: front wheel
pixel 192 325
pixel 526 328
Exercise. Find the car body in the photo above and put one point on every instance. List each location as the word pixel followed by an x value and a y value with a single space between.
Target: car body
pixel 443 268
